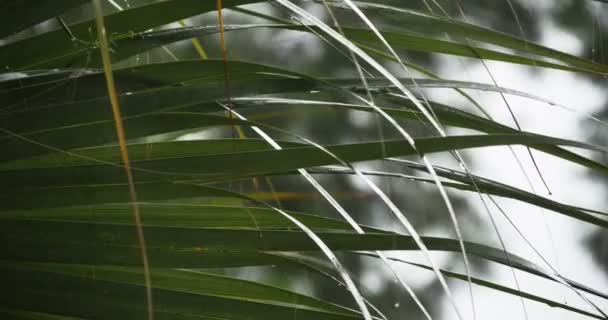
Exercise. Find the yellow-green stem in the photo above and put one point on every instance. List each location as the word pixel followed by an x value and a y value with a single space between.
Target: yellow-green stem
pixel 120 132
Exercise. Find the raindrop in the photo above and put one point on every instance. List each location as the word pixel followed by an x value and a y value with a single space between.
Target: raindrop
pixel 396 305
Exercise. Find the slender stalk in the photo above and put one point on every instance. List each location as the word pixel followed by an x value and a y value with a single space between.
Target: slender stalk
pixel 120 132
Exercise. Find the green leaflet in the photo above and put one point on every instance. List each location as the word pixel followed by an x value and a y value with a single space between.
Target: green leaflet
pixel 181 215
pixel 322 267
pixel 67 237
pixel 111 292
pixel 16 16
pixel 495 286
pixel 129 42
pixel 57 169
pixel 56 49
pixel 199 283
pixel 402 40
pixel 490 187
pixel 29 315
pixel 57 89
pixel 500 189
pixel 428 24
